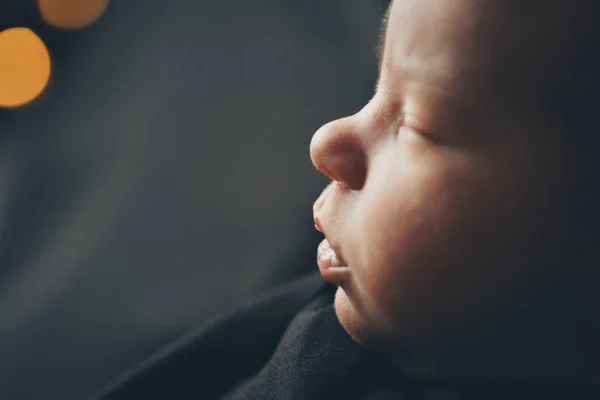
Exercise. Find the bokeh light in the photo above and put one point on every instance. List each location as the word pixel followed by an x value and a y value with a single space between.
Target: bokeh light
pixel 24 66
pixel 71 14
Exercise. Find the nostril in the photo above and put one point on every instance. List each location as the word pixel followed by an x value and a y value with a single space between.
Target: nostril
pixel 329 174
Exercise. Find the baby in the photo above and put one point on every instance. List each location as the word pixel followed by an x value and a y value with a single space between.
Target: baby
pixel 460 228
pixel 463 205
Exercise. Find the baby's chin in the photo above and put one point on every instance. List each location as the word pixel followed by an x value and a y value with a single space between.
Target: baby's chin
pixel 357 325
pixel 364 332
pixel 347 315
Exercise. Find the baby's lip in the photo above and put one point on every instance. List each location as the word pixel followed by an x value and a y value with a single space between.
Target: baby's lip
pixel 337 260
pixel 322 198
pixel 331 265
pixel 319 227
pixel 317 224
pixel 336 249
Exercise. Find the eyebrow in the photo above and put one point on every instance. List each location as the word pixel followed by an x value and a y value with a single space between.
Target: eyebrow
pixel 380 46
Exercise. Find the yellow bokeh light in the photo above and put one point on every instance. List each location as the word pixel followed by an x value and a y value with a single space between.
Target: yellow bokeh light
pixel 24 66
pixel 71 14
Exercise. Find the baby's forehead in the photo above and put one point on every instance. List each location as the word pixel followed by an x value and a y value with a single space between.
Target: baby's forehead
pixel 486 45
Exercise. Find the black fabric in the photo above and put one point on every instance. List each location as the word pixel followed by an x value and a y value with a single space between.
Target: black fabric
pixel 289 345
pixel 317 359
pixel 206 363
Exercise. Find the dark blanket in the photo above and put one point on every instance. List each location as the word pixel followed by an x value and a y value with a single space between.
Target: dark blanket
pixel 288 344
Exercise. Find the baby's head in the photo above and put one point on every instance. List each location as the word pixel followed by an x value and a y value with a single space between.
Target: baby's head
pixel 461 200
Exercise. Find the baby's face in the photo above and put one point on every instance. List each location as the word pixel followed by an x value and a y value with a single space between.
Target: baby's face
pixel 451 197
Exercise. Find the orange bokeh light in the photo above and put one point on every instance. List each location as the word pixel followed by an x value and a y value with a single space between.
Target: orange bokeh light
pixel 24 66
pixel 71 14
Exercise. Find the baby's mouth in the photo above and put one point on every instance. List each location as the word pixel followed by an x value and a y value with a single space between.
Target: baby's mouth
pixel 318 225
pixel 327 257
pixel 332 265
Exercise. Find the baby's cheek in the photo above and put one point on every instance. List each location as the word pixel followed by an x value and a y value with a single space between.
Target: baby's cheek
pixel 399 245
pixel 416 249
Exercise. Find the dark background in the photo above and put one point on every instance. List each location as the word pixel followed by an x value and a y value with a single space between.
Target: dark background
pixel 164 175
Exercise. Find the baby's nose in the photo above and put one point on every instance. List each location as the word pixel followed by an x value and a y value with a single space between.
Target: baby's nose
pixel 337 151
